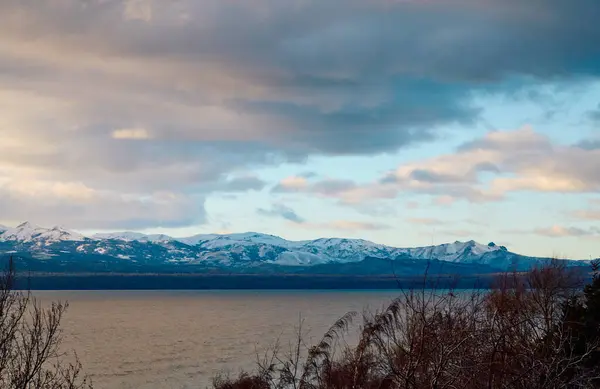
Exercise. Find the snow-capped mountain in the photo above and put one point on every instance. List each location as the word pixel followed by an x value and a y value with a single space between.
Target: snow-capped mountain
pixel 27 232
pixel 245 238
pixel 49 248
pixel 459 252
pixel 129 236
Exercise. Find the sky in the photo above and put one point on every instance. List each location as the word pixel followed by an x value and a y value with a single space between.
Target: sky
pixel 404 122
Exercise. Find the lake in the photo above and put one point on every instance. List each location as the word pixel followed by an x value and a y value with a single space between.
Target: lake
pixel 181 339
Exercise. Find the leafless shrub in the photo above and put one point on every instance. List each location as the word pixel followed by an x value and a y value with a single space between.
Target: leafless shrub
pixel 30 339
pixel 512 336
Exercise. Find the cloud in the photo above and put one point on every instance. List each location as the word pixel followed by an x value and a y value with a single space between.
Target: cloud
pixel 592 215
pixel 291 184
pixel 282 211
pixel 78 205
pixel 138 10
pixel 239 184
pixel 590 144
pixel 131 133
pixel 333 186
pixel 486 169
pixel 347 191
pixel 425 175
pixel 412 204
pixel 519 160
pixel 81 207
pixel 363 77
pixel 136 97
pixel 594 115
pixel 560 231
pixel 346 225
pixel 308 174
pixel 444 200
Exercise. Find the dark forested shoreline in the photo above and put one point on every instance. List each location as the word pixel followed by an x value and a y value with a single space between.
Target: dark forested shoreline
pixel 124 281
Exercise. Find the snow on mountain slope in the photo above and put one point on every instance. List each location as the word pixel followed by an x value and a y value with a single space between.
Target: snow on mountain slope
pixel 245 238
pixel 129 236
pixel 196 239
pixel 463 252
pixel 57 234
pixel 344 250
pixel 216 240
pixel 24 232
pixel 240 250
pixel 321 250
pixel 291 258
pixel 126 236
pixel 27 232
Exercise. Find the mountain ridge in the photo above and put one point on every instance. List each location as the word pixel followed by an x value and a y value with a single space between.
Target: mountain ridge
pixel 57 247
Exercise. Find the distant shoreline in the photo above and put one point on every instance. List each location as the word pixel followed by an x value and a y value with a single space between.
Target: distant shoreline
pixel 187 281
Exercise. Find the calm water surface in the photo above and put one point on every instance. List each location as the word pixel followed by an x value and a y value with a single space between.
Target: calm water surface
pixel 181 339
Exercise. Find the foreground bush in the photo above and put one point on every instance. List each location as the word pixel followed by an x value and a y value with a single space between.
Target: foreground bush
pixel 529 331
pixel 30 338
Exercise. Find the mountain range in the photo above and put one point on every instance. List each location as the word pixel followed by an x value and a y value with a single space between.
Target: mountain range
pixel 57 249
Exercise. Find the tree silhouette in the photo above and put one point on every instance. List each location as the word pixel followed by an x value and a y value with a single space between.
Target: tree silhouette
pixel 30 339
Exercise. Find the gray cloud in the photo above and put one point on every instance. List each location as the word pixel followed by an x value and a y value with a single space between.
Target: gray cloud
pixel 519 160
pixel 589 144
pixel 358 78
pixel 131 101
pixel 429 176
pixel 425 175
pixel 595 114
pixel 522 160
pixel 308 174
pixel 282 211
pixel 241 184
pixel 559 231
pixel 332 186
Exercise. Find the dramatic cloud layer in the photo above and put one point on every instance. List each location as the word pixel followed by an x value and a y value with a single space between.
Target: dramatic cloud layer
pixel 486 169
pixel 522 160
pixel 129 113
